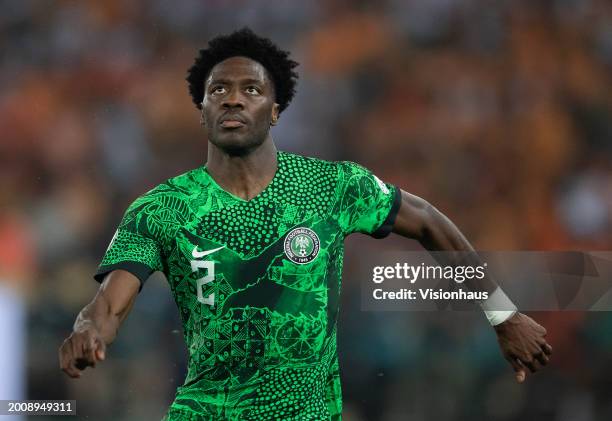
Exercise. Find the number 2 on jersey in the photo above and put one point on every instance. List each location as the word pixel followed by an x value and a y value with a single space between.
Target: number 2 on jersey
pixel 209 277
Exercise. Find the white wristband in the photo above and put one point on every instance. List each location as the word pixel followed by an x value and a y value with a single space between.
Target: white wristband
pixel 498 300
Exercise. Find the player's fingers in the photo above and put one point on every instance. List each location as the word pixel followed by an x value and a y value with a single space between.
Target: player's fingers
pixel 85 360
pixel 520 374
pixel 542 330
pixel 89 350
pixel 531 364
pixel 65 354
pixel 72 371
pixel 75 357
pixel 100 349
pixel 67 361
pixel 547 349
pixel 519 370
pixel 542 358
pixel 76 347
pixel 79 355
pixel 81 363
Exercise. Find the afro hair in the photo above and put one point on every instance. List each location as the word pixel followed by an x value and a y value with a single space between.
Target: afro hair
pixel 245 43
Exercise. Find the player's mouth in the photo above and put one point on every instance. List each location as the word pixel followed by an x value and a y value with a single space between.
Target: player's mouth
pixel 232 122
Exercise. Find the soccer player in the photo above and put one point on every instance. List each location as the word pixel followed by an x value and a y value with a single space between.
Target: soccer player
pixel 251 244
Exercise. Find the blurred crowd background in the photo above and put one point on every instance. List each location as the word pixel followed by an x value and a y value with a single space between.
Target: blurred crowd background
pixel 499 113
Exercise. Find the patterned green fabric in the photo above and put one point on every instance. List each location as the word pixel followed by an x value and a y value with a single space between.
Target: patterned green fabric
pixel 257 282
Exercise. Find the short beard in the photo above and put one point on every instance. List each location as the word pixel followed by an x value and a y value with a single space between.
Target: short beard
pixel 239 151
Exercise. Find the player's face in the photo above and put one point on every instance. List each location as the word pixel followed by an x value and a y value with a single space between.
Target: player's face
pixel 238 106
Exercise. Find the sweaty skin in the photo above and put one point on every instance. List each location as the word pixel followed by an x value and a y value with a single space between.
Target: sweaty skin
pixel 237 112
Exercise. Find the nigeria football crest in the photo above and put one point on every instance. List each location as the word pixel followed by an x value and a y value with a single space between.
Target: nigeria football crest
pixel 301 245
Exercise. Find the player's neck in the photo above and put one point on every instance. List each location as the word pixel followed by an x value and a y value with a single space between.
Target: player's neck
pixel 246 175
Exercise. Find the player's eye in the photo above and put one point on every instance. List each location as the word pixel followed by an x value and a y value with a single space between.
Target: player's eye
pixel 252 90
pixel 216 90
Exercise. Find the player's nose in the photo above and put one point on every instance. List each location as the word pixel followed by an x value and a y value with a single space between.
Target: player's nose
pixel 233 100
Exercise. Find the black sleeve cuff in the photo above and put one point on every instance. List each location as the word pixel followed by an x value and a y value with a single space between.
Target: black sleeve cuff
pixel 139 270
pixel 387 226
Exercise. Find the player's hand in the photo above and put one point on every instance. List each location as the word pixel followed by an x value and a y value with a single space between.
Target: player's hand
pixel 523 344
pixel 82 349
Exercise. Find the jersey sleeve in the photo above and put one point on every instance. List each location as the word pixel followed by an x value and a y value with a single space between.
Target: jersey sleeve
pixel 368 205
pixel 135 247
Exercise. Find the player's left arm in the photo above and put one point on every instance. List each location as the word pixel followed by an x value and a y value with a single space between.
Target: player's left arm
pixel 521 339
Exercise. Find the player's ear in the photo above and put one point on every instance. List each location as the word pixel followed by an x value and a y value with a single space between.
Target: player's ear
pixel 275 114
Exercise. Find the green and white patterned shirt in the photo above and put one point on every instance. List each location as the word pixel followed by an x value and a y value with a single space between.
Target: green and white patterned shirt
pixel 257 282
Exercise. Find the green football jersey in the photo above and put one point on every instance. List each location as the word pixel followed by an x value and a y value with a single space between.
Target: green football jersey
pixel 257 282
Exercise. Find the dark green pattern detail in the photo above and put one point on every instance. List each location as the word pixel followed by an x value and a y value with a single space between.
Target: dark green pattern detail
pixel 129 246
pixel 293 196
pixel 364 205
pixel 260 328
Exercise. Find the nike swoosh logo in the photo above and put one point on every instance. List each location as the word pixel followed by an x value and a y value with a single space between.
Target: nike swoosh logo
pixel 197 254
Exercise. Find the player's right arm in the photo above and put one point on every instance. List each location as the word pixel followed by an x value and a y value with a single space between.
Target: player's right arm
pixel 97 324
pixel 134 253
